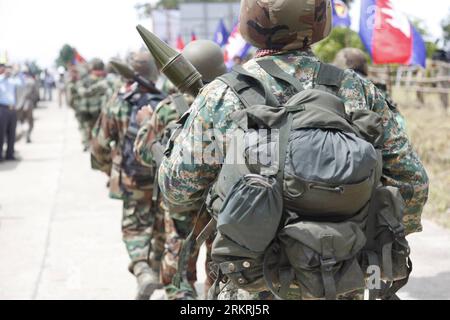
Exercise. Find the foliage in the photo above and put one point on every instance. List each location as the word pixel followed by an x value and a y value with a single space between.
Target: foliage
pixel 66 55
pixel 339 38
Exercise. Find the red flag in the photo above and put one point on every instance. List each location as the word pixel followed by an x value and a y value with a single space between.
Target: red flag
pixel 180 43
pixel 77 57
pixel 193 36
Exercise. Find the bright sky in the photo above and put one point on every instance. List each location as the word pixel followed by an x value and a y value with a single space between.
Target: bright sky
pixel 36 29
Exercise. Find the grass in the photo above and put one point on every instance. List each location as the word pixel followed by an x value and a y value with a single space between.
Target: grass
pixel 429 130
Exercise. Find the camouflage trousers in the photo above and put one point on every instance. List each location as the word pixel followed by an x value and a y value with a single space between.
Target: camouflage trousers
pixel 87 122
pixel 143 232
pixel 177 229
pixel 26 115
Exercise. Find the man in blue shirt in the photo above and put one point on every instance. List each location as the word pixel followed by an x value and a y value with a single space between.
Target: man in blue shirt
pixel 8 113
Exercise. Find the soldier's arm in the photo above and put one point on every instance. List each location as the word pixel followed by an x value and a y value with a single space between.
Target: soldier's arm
pixel 104 134
pixel 402 167
pixel 186 175
pixel 151 129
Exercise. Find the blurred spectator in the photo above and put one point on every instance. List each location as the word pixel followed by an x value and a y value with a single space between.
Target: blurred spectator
pixel 61 85
pixel 48 82
pixel 8 113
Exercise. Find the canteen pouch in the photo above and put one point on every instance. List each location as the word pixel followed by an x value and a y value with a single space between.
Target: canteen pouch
pixel 251 213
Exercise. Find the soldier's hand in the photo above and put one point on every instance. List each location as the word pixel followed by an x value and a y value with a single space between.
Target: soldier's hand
pixel 144 114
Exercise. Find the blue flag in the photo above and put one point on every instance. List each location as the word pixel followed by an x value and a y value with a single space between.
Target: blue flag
pixel 341 16
pixel 221 35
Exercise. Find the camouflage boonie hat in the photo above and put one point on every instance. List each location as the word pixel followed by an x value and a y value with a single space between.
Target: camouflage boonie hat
pixel 352 58
pixel 207 57
pixel 285 24
pixel 144 64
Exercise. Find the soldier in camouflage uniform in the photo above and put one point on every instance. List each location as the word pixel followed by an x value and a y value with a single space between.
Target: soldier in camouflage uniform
pixel 94 92
pixel 207 58
pixel 284 32
pixel 142 224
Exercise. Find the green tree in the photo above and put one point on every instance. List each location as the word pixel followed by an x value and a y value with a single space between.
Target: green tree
pixel 339 38
pixel 66 55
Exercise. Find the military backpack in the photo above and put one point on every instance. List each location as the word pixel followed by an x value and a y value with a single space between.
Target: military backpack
pixel 299 206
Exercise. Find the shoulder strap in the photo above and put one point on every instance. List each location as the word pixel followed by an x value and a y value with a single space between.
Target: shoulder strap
pixel 275 71
pixel 330 76
pixel 180 103
pixel 249 89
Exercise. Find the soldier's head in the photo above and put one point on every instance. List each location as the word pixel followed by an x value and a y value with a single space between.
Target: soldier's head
pixel 2 68
pixel 144 64
pixel 96 64
pixel 352 58
pixel 207 57
pixel 285 24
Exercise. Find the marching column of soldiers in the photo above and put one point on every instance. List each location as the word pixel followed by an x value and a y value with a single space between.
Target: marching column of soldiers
pixel 140 135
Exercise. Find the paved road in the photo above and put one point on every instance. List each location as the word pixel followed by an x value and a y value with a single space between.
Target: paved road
pixel 60 234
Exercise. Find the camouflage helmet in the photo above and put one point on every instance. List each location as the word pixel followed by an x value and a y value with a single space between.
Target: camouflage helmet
pixel 352 58
pixel 285 24
pixel 207 57
pixel 97 64
pixel 144 64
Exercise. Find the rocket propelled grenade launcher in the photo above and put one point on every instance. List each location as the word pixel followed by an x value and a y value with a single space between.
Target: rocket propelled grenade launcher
pixel 128 73
pixel 172 63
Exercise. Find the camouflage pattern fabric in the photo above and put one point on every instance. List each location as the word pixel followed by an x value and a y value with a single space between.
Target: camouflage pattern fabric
pixel 94 92
pixel 285 24
pixel 153 129
pixel 142 227
pixel 142 232
pixel 177 226
pixel 184 184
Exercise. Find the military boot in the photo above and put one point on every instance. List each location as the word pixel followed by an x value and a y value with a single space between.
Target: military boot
pixel 147 279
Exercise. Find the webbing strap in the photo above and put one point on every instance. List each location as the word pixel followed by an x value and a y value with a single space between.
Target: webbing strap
pixel 187 249
pixel 329 75
pixel 180 103
pixel 248 88
pixel 283 140
pixel 327 262
pixel 390 292
pixel 386 254
pixel 275 71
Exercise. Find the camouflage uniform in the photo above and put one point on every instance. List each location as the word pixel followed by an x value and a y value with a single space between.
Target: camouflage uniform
pixel 142 228
pixel 184 184
pixel 29 101
pixel 177 225
pixel 94 92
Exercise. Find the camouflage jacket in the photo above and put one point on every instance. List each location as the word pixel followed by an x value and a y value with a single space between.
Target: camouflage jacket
pixel 94 92
pixel 73 97
pixel 106 152
pixel 185 184
pixel 155 129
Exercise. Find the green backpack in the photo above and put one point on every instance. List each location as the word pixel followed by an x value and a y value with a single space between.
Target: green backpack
pixel 298 206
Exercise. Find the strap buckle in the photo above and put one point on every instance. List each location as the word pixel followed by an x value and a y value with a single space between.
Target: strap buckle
pixel 327 264
pixel 399 231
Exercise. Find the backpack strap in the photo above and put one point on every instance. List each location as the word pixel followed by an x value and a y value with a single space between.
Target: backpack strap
pixel 249 89
pixel 180 103
pixel 275 71
pixel 329 77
